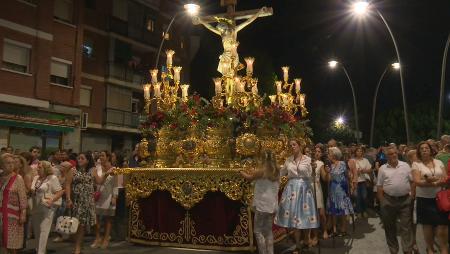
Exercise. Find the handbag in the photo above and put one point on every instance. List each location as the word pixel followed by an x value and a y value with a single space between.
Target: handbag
pixel 443 200
pixel 97 195
pixel 67 225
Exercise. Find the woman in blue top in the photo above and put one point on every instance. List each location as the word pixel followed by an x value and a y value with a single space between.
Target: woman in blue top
pixel 339 204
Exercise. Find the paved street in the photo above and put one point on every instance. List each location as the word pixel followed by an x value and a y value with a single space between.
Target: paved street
pixel 368 238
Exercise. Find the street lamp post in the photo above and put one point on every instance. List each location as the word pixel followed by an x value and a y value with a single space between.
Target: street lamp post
pixel 333 64
pixel 395 66
pixel 441 95
pixel 361 8
pixel 191 9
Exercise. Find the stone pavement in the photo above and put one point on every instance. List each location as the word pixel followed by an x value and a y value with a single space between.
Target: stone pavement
pixel 368 238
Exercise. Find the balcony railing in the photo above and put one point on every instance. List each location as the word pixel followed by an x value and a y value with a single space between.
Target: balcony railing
pixel 121 118
pixel 125 73
pixel 138 33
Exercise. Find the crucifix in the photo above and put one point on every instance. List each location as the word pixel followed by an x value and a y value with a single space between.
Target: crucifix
pixel 227 29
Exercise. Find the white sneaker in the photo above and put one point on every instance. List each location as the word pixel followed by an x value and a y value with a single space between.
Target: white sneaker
pixel 58 239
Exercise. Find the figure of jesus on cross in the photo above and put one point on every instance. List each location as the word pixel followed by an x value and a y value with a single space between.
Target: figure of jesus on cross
pixel 227 29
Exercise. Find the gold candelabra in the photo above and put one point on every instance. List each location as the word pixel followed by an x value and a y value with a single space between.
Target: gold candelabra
pixel 236 91
pixel 286 97
pixel 165 92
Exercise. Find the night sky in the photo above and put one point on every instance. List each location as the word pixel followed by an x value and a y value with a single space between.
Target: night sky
pixel 306 34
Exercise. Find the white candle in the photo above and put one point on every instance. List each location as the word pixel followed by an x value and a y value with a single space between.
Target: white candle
pixel 249 61
pixel 184 91
pixel 221 103
pixel 156 90
pixel 154 74
pixel 297 82
pixel 302 99
pixel 278 85
pixel 285 73
pixel 217 85
pixel 169 54
pixel 176 73
pixel 147 91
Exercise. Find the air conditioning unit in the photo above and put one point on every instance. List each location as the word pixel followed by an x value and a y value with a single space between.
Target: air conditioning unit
pixel 84 121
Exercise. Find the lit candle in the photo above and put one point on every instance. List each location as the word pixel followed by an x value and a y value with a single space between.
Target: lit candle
pixel 147 91
pixel 272 98
pixel 184 91
pixel 218 85
pixel 156 90
pixel 176 73
pixel 278 85
pixel 154 75
pixel 302 99
pixel 221 103
pixel 249 61
pixel 297 82
pixel 285 73
pixel 169 54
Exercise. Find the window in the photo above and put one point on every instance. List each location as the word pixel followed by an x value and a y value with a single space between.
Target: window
pixel 85 96
pixel 119 98
pixel 120 9
pixel 150 24
pixel 16 56
pixel 90 4
pixel 60 72
pixel 63 10
pixel 135 105
pixel 88 48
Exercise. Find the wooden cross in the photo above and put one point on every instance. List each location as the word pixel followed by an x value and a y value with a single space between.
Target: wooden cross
pixel 234 15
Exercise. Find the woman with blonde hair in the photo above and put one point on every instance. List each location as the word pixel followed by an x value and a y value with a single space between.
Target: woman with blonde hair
pixel 13 204
pixel 265 199
pixel 297 208
pixel 47 192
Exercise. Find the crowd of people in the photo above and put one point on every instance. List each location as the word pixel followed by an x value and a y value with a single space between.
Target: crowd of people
pixel 35 192
pixel 329 183
pixel 313 193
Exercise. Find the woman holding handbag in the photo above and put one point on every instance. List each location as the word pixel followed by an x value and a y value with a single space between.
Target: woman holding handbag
pixel 106 202
pixel 80 195
pixel 429 176
pixel 47 194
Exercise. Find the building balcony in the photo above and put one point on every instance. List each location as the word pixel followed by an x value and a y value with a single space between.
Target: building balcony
pixel 124 73
pixel 121 118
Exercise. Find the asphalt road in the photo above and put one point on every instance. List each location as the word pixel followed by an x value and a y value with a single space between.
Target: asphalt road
pixel 368 238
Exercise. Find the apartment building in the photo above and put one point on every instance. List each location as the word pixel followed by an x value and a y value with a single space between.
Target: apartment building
pixel 40 73
pixel 72 71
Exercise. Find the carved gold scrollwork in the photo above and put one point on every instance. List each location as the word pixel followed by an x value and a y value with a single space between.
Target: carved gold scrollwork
pixel 247 144
pixel 186 186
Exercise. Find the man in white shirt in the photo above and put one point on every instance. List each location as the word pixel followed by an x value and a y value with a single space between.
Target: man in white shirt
pixel 395 192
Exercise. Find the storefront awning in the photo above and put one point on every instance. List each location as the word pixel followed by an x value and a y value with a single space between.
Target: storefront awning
pixel 40 126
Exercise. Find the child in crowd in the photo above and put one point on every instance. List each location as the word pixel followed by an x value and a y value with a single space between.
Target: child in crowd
pixel 265 200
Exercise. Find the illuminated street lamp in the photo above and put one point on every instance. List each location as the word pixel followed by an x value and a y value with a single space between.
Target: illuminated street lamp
pixel 333 64
pixel 339 122
pixel 192 10
pixel 394 66
pixel 361 8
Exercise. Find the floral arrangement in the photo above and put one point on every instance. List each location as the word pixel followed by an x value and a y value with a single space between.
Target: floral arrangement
pixel 199 114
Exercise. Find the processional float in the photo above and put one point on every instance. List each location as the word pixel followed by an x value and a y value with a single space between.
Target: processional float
pixel 188 191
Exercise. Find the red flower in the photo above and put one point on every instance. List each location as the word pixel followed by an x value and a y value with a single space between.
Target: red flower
pixel 196 98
